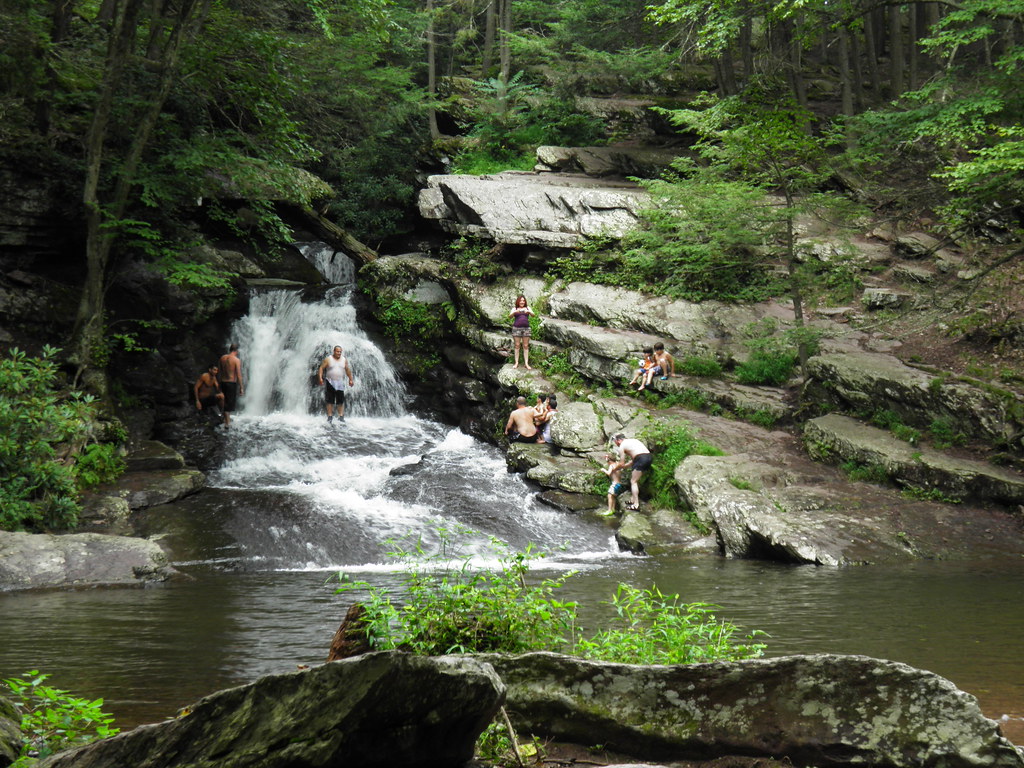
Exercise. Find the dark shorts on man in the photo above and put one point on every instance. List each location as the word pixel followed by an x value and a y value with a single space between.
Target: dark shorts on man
pixel 210 401
pixel 332 395
pixel 230 390
pixel 642 462
pixel 515 437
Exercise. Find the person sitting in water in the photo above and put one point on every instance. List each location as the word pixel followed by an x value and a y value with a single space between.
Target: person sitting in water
pixel 207 392
pixel 520 427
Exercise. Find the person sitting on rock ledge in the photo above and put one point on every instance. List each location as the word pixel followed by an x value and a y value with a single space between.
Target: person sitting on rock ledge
pixel 207 392
pixel 520 427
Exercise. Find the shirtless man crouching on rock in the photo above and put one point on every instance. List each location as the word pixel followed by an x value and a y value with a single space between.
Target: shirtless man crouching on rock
pixel 520 427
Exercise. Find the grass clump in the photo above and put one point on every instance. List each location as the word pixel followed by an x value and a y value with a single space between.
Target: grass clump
pixel 700 365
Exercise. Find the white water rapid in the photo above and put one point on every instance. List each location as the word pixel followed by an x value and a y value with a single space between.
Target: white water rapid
pixel 309 495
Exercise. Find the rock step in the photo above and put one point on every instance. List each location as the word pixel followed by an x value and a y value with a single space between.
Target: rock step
pixel 153 455
pixel 873 382
pixel 841 437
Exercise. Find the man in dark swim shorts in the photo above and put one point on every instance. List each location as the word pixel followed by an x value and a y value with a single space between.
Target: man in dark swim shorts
pixel 520 427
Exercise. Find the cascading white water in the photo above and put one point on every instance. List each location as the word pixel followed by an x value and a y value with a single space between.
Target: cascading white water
pixel 284 338
pixel 313 495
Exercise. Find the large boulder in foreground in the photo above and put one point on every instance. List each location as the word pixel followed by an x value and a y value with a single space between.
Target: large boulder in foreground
pixel 381 709
pixel 32 561
pixel 820 710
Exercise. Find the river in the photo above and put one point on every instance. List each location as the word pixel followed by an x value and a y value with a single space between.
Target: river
pixel 298 500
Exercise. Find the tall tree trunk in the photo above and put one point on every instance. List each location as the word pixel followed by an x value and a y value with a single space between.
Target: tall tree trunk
pixel 845 79
pixel 101 218
pixel 872 51
pixel 796 65
pixel 913 53
pixel 505 21
pixel 728 72
pixel 896 65
pixel 435 132
pixel 490 23
pixel 747 48
pixel 858 72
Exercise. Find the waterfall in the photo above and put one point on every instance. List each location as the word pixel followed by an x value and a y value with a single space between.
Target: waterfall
pixel 284 338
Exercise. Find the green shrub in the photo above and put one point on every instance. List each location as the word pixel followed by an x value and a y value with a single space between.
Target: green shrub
pixel 651 628
pixel 450 606
pixel 867 473
pixel 415 327
pixel 944 434
pixel 700 365
pixel 98 463
pixel 767 367
pixel 53 720
pixel 37 492
pixel 669 445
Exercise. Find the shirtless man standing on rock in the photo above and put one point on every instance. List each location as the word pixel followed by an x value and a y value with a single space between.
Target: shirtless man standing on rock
pixel 231 381
pixel 520 427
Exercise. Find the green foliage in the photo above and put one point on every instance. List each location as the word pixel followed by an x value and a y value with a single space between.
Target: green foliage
pixel 944 433
pixel 558 367
pixel 669 445
pixel 700 365
pixel 474 258
pixel 98 463
pixel 929 494
pixel 37 491
pixel 195 276
pixel 767 366
pixel 53 720
pixel 741 484
pixel 449 605
pixel 415 326
pixel 652 628
pixel 700 239
pixel 887 419
pixel 866 473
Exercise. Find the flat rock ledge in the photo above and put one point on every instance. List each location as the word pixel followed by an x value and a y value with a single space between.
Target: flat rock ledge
pixel 819 710
pixel 834 437
pixel 379 710
pixel 42 560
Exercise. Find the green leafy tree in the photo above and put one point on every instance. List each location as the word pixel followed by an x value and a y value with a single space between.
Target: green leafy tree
pixel 37 490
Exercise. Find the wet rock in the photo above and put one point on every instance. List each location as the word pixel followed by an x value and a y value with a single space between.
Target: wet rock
pixel 571 502
pixel 820 710
pixel 153 455
pixel 11 739
pixel 377 710
pixel 883 298
pixel 785 508
pixel 572 474
pixel 660 531
pixel 33 561
pixel 917 244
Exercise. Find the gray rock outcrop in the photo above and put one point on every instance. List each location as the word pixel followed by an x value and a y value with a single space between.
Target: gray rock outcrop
pixel 379 709
pixel 867 381
pixel 820 710
pixel 549 210
pixel 32 561
pixel 840 437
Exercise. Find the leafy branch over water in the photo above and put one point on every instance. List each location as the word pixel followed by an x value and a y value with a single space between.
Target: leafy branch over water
pixel 447 602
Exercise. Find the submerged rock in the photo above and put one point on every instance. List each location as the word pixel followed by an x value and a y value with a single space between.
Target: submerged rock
pixel 380 709
pixel 820 710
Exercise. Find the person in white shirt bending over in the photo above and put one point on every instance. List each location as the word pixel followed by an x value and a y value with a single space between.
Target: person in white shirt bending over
pixel 634 455
pixel 331 376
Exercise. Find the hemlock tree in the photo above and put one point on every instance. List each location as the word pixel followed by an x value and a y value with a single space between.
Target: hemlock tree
pixel 760 140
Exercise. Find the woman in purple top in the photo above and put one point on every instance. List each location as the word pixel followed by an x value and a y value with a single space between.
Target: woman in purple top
pixel 521 330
